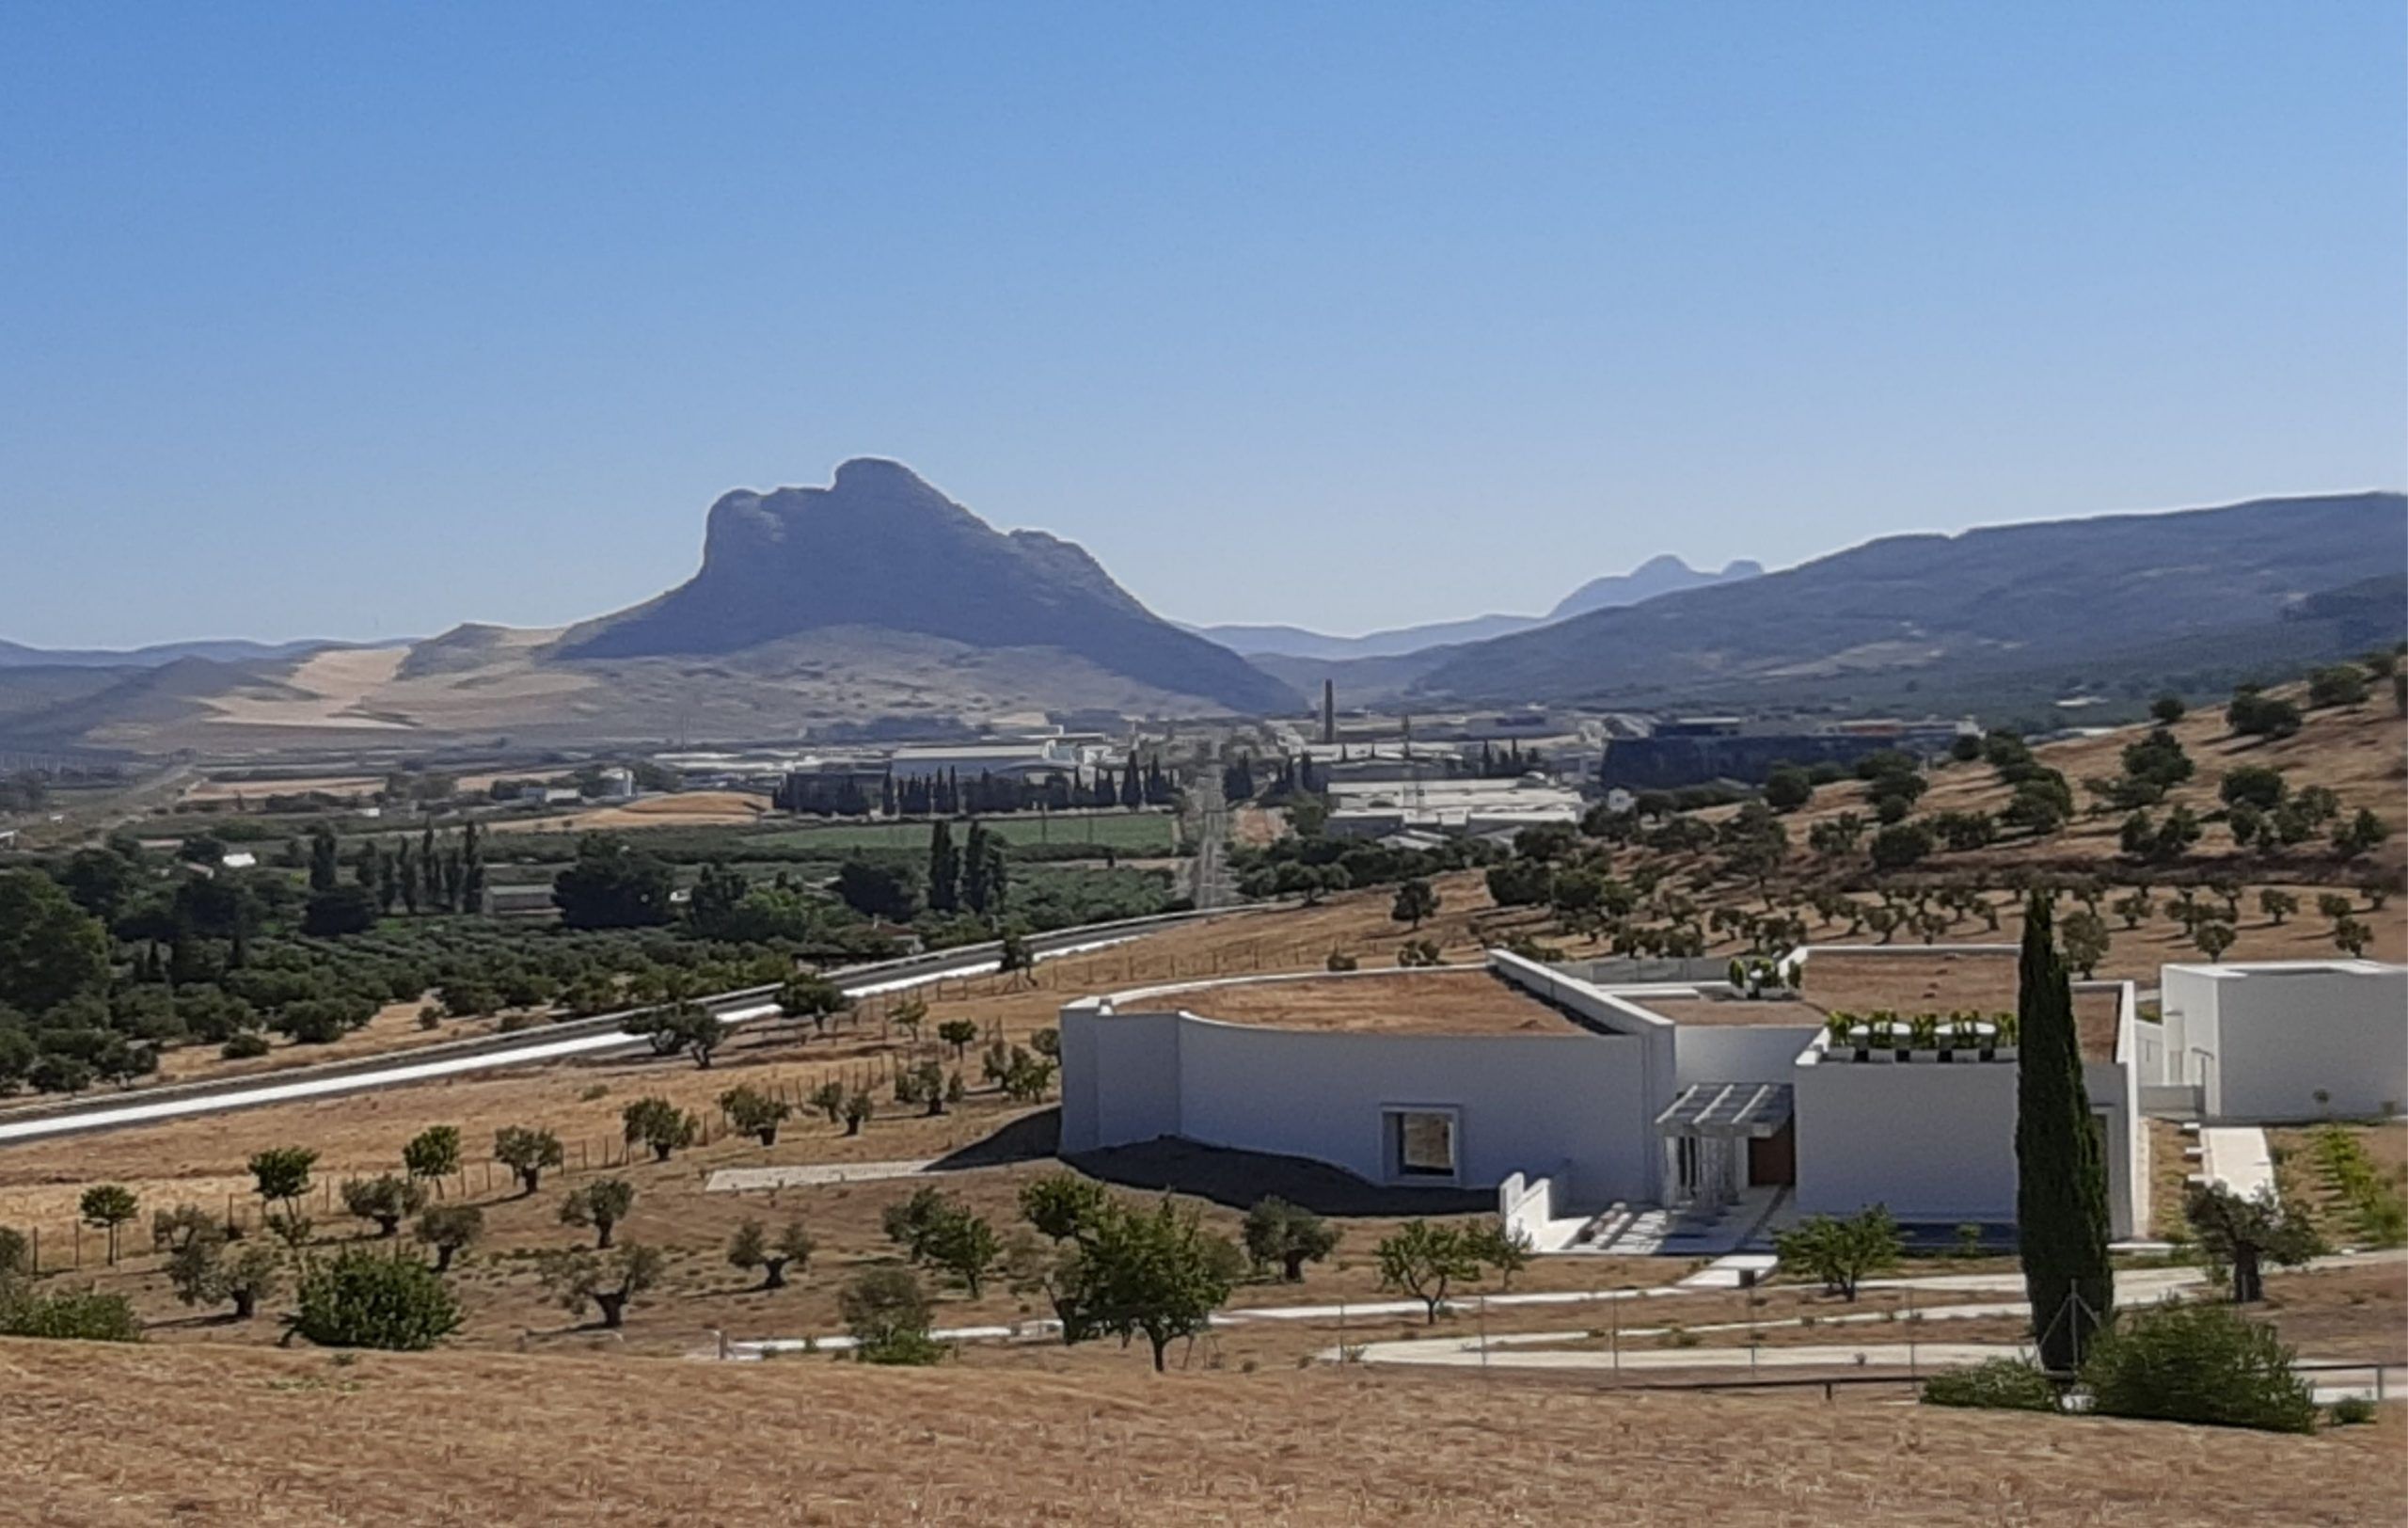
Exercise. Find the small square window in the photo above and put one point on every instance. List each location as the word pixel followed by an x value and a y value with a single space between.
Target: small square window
pixel 1421 1143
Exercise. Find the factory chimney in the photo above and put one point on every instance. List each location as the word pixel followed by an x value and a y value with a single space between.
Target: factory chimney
pixel 1328 712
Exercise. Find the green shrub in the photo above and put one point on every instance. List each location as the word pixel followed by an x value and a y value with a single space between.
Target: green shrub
pixel 2352 1412
pixel 2376 1206
pixel 2000 1384
pixel 243 1045
pixel 364 1300
pixel 888 1315
pixel 2198 1363
pixel 85 1314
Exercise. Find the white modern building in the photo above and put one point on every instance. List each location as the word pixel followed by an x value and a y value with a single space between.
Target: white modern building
pixel 2290 1040
pixel 1887 1076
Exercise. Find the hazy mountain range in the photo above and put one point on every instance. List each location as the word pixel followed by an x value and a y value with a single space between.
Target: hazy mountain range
pixel 878 602
pixel 1659 575
pixel 17 655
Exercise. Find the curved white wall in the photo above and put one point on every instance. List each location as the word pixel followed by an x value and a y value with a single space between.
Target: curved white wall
pixel 1572 1105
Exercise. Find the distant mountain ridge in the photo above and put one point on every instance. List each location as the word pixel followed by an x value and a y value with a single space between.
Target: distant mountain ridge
pixel 232 650
pixel 1659 575
pixel 2048 594
pixel 877 602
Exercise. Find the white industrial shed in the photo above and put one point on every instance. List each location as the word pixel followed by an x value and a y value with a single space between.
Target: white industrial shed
pixel 1590 1094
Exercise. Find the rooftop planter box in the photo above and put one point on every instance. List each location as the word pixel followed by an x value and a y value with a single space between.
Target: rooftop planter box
pixel 1931 1038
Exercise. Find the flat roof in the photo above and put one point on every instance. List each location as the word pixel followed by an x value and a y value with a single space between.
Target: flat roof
pixel 2230 970
pixel 1456 1001
pixel 1912 982
pixel 1761 1014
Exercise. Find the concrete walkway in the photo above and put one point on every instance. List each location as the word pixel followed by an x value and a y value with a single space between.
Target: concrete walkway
pixel 807 1175
pixel 2133 1286
pixel 2238 1157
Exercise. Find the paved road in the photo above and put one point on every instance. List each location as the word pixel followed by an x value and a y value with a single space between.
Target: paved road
pixel 1209 881
pixel 1543 1349
pixel 592 1037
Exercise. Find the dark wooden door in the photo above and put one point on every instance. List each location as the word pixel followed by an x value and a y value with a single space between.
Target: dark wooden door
pixel 1773 1159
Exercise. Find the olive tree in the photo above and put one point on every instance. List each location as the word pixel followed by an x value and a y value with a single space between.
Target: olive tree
pixel 449 1229
pixel 608 1281
pixel 1289 1235
pixel 754 1112
pixel 433 1153
pixel 661 1125
pixel 829 1099
pixel 858 1110
pixel 527 1153
pixel 386 1200
pixel 601 1204
pixel 2241 1237
pixel 753 1248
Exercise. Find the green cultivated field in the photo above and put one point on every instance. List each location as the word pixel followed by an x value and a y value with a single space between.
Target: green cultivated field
pixel 1126 833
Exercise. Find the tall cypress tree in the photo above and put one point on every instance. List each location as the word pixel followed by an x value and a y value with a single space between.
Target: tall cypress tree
pixel 430 869
pixel 473 868
pixel 997 879
pixel 945 868
pixel 2061 1178
pixel 325 864
pixel 973 868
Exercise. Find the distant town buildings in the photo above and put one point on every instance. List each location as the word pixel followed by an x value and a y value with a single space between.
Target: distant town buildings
pixel 1696 750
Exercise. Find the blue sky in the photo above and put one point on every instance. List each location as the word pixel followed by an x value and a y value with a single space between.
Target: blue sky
pixel 362 320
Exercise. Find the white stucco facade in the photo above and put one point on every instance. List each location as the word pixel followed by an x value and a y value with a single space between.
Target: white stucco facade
pixel 1930 1141
pixel 1573 1106
pixel 2260 1041
pixel 1577 1119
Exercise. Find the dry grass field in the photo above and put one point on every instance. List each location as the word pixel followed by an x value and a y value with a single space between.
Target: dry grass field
pixel 1450 1002
pixel 103 1435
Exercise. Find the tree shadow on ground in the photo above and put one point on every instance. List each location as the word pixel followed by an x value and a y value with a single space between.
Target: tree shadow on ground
pixel 1239 1178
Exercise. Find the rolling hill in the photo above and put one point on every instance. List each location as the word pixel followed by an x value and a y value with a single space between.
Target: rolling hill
pixel 1951 615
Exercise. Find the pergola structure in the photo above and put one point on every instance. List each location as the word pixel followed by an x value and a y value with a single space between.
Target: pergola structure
pixel 1704 1130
